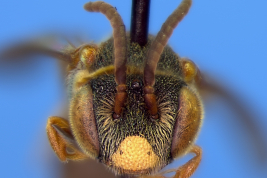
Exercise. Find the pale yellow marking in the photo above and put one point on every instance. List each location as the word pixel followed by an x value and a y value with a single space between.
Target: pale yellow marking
pixel 135 154
pixel 87 55
pixel 84 76
pixel 189 70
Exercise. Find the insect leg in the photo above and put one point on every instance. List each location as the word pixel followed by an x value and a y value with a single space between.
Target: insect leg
pixel 186 170
pixel 189 168
pixel 61 139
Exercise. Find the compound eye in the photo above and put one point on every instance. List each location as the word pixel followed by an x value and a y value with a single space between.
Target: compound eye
pixel 188 122
pixel 83 122
pixel 87 55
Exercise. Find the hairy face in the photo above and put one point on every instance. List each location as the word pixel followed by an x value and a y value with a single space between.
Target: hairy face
pixel 135 128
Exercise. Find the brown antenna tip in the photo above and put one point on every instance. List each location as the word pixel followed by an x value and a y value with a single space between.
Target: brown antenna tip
pixel 161 40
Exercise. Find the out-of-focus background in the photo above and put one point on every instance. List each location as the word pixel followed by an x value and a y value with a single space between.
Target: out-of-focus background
pixel 226 39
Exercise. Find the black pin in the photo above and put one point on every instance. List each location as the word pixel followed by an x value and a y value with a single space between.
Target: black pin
pixel 140 21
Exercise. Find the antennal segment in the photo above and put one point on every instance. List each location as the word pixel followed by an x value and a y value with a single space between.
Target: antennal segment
pixel 155 51
pixel 120 47
pixel 119 36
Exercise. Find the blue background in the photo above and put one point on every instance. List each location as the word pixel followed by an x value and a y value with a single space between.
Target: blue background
pixel 225 38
